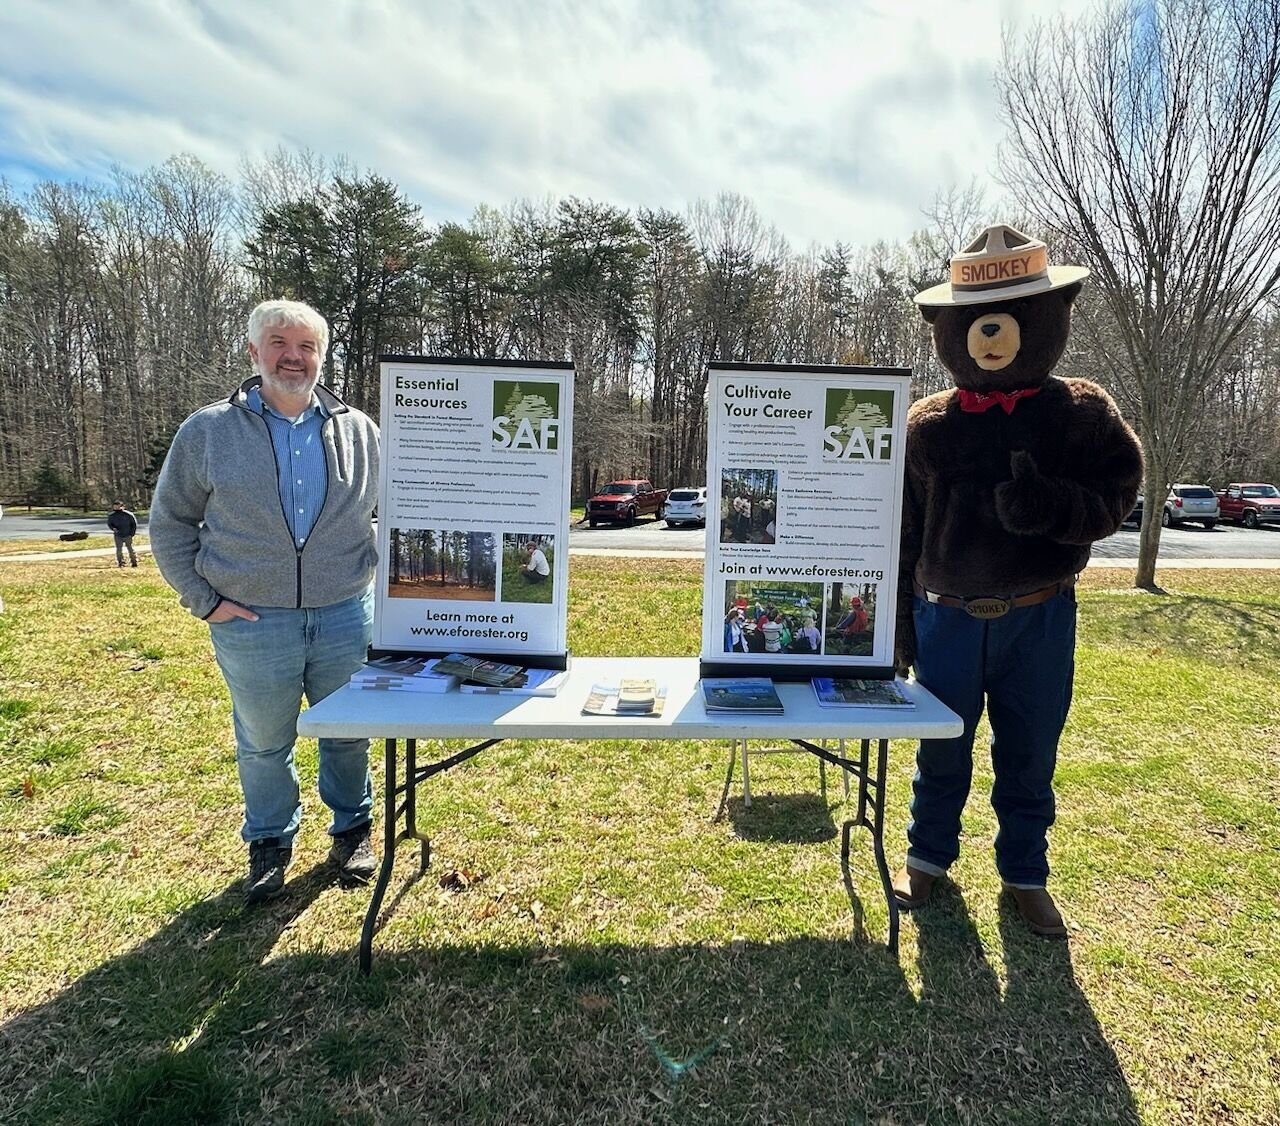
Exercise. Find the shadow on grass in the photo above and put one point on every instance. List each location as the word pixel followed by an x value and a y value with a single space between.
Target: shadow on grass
pixel 1197 626
pixel 1036 1053
pixel 788 818
pixel 199 1024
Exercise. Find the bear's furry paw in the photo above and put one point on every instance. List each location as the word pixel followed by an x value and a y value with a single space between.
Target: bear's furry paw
pixel 1025 505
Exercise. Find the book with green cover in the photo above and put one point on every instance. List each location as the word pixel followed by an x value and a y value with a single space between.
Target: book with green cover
pixel 855 693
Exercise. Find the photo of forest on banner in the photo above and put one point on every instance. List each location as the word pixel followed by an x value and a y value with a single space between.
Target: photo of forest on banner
pixel 424 563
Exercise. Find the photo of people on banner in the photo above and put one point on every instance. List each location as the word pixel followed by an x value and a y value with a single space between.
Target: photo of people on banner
pixel 850 627
pixel 772 617
pixel 429 563
pixel 528 567
pixel 748 505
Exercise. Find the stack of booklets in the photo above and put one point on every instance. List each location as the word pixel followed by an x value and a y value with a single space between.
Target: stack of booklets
pixel 636 695
pixel 631 696
pixel 860 693
pixel 536 682
pixel 750 694
pixel 476 670
pixel 402 674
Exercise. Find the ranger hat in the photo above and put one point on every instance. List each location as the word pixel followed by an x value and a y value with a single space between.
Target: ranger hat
pixel 1000 264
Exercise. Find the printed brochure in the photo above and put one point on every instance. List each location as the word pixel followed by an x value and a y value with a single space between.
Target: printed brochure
pixel 538 682
pixel 603 700
pixel 754 694
pixel 411 674
pixel 860 693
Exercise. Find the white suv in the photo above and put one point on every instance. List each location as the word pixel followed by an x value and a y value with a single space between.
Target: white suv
pixel 687 506
pixel 1198 503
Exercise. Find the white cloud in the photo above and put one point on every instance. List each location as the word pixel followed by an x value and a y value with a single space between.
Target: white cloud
pixel 839 120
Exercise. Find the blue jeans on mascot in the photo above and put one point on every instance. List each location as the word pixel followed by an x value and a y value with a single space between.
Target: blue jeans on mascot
pixel 269 665
pixel 1022 665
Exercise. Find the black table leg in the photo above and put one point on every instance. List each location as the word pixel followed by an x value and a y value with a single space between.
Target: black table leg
pixel 389 838
pixel 877 842
pixel 871 788
pixel 392 834
pixel 411 804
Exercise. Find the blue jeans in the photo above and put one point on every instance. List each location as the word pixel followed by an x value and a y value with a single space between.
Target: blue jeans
pixel 1023 664
pixel 268 666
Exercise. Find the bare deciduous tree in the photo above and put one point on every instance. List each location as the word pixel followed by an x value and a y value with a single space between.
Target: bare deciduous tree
pixel 1148 137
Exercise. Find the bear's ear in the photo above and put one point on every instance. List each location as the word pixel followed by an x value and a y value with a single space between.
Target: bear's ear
pixel 1071 292
pixel 930 312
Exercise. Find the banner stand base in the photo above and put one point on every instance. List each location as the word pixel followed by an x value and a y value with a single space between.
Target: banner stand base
pixel 556 662
pixel 791 671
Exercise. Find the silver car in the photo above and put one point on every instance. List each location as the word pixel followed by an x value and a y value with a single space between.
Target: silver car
pixel 1197 503
pixel 687 506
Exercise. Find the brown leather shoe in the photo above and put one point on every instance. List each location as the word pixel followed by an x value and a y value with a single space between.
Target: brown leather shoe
pixel 912 887
pixel 1036 906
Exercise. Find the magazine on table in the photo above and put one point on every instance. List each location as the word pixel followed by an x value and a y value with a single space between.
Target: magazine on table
pixel 404 674
pixel 752 694
pixel 604 700
pixel 538 682
pixel 479 671
pixel 855 693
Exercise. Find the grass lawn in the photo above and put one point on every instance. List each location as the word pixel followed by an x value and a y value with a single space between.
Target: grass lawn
pixel 588 946
pixel 41 547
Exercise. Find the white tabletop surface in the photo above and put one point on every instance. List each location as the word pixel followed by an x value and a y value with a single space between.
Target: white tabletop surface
pixel 357 713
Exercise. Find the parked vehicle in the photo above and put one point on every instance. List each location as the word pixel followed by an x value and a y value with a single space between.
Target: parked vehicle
pixel 1197 503
pixel 687 506
pixel 1135 514
pixel 1250 503
pixel 621 502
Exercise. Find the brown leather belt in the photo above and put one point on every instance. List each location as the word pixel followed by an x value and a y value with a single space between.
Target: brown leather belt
pixel 993 606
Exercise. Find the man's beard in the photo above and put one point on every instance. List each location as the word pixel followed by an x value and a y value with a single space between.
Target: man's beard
pixel 286 386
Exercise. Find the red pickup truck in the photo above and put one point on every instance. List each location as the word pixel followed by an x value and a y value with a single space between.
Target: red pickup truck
pixel 1250 503
pixel 623 501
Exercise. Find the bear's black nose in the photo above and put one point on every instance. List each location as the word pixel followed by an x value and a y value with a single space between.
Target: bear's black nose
pixel 990 330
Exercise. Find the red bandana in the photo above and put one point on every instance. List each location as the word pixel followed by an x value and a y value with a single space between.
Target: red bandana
pixel 975 402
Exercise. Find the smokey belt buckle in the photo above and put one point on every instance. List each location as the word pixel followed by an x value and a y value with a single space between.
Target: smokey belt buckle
pixel 987 607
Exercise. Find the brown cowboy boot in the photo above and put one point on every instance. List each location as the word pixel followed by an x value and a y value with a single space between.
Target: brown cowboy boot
pixel 1036 906
pixel 912 887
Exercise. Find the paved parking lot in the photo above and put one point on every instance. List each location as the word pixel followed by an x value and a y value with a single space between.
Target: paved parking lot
pixel 1189 545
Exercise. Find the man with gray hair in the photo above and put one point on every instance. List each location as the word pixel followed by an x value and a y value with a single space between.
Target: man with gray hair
pixel 262 522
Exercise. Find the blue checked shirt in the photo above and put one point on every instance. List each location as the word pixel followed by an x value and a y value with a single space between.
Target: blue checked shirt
pixel 301 468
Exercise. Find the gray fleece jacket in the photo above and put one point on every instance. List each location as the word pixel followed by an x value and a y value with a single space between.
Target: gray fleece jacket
pixel 218 529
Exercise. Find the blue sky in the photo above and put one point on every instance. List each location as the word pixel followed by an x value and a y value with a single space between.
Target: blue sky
pixel 838 120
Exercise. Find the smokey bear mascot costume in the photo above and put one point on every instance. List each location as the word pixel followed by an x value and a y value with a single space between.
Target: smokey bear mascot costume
pixel 1010 477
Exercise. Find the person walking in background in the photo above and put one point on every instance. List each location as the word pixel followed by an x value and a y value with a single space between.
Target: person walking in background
pixel 263 524
pixel 124 526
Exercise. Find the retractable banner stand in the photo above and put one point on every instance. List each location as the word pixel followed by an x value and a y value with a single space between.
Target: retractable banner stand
pixel 473 509
pixel 804 509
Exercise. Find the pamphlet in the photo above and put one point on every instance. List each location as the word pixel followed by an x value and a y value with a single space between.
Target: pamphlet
pixel 538 682
pixel 856 693
pixel 603 700
pixel 754 694
pixel 412 674
pixel 636 695
pixel 480 671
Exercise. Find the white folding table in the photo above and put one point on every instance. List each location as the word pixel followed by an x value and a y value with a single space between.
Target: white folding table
pixel 352 713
